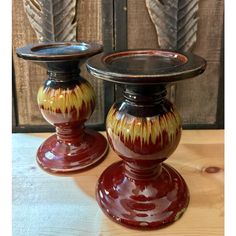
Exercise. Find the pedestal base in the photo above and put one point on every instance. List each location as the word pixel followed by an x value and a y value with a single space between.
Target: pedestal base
pixel 143 204
pixel 58 157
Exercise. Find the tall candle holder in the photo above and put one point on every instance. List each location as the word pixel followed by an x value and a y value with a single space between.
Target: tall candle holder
pixel 144 130
pixel 66 100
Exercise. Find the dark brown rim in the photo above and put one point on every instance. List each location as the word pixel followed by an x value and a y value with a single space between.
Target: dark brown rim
pixel 30 51
pixel 193 65
pixel 114 56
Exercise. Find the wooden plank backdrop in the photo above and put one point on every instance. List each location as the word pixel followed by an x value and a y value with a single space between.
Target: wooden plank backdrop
pixel 123 24
pixel 196 99
pixel 29 77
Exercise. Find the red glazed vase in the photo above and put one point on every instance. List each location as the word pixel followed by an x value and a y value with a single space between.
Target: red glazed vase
pixel 143 129
pixel 66 100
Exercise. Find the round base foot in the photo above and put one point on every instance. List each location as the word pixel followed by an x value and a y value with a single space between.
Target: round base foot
pixel 143 204
pixel 58 157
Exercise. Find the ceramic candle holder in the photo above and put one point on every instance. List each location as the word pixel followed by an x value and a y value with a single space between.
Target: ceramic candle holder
pixel 144 130
pixel 66 100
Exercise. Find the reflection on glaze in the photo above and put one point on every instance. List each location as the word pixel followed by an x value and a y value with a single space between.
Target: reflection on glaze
pixel 145 129
pixel 141 192
pixel 65 100
pixel 149 203
pixel 67 104
pixel 154 137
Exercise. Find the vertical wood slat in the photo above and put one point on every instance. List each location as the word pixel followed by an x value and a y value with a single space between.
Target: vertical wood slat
pixel 109 44
pixel 142 33
pixel 120 34
pixel 14 107
pixel 89 28
pixel 29 77
pixel 197 98
pixel 220 105
pixel 120 24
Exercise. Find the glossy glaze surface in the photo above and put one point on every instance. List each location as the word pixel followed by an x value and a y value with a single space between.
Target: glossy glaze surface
pixel 146 203
pixel 76 151
pixel 144 130
pixel 66 100
pixel 145 66
pixel 147 137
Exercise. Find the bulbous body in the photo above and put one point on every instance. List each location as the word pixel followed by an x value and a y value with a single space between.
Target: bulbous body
pixel 70 102
pixel 152 134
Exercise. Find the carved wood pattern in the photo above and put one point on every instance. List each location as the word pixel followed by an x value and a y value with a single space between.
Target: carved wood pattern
pixel 52 20
pixel 176 22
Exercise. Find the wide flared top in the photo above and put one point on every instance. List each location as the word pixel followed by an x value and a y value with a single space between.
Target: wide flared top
pixel 58 51
pixel 145 66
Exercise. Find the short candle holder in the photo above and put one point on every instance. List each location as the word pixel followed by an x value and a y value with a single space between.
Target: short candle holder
pixel 144 130
pixel 66 100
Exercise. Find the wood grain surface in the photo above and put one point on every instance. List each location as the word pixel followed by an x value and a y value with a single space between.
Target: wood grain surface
pixel 197 98
pixel 29 77
pixel 49 205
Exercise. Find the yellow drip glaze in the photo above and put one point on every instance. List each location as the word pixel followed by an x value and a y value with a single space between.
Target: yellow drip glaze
pixel 65 100
pixel 147 129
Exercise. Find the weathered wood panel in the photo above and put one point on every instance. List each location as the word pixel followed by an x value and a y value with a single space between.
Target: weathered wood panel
pixel 29 76
pixel 141 31
pixel 90 29
pixel 196 99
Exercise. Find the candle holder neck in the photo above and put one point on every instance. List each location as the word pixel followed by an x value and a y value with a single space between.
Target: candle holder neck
pixel 142 170
pixel 63 71
pixel 146 95
pixel 63 76
pixel 70 134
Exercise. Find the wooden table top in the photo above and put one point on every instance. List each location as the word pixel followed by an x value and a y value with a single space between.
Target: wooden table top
pixel 50 205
